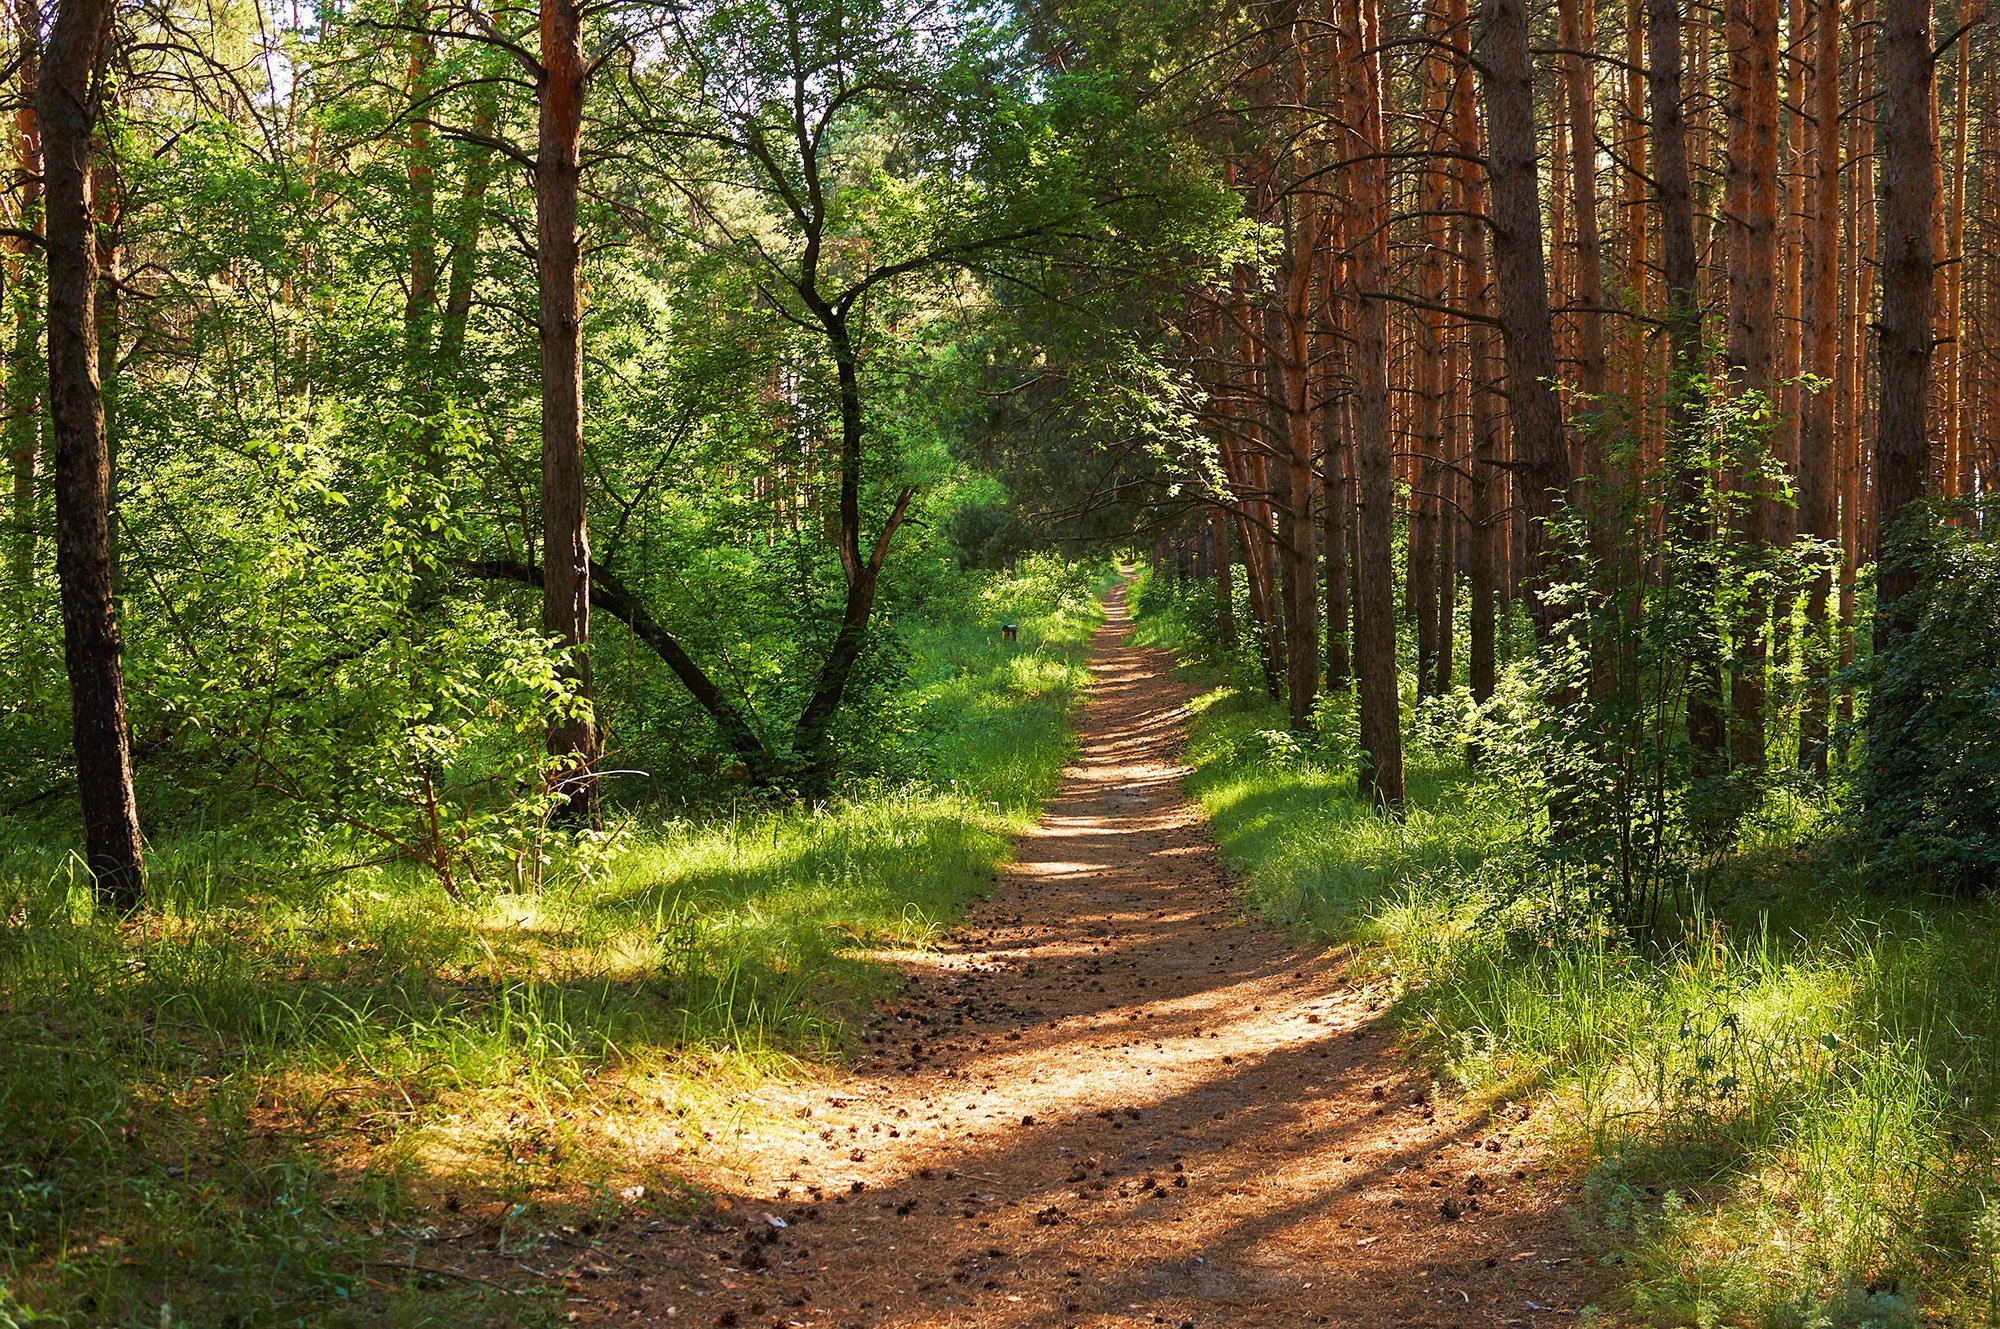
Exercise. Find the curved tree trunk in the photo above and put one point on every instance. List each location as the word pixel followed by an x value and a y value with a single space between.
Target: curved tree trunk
pixel 812 735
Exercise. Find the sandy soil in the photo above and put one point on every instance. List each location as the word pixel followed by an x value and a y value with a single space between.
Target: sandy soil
pixel 1112 1099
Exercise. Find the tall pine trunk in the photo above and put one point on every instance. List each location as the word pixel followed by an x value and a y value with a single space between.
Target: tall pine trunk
pixel 1908 265
pixel 70 86
pixel 572 738
pixel 1225 578
pixel 1336 505
pixel 468 224
pixel 1366 230
pixel 23 392
pixel 1750 211
pixel 1483 476
pixel 1541 456
pixel 1681 276
pixel 1820 337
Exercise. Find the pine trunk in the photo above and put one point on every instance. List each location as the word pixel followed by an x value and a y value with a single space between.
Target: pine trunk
pixel 91 648
pixel 1908 265
pixel 1820 338
pixel 572 739
pixel 1750 210
pixel 1367 198
pixel 23 429
pixel 1520 276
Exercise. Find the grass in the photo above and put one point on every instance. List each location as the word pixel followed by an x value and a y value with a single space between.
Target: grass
pixel 260 1103
pixel 1786 1116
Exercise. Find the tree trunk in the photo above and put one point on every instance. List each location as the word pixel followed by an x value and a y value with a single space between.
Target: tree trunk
pixel 1750 210
pixel 91 651
pixel 1426 516
pixel 1336 505
pixel 1908 265
pixel 572 739
pixel 1541 456
pixel 1288 368
pixel 1483 473
pixel 1367 200
pixel 812 735
pixel 1225 578
pixel 610 595
pixel 24 374
pixel 1681 275
pixel 1336 520
pixel 470 222
pixel 1820 336
pixel 420 299
pixel 1862 266
pixel 107 205
pixel 1290 435
pixel 1950 375
pixel 1576 27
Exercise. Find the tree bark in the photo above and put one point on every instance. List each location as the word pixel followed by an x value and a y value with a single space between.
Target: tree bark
pixel 573 739
pixel 608 593
pixel 1861 303
pixel 1681 275
pixel 1908 265
pixel 1366 231
pixel 1576 28
pixel 1426 512
pixel 1541 455
pixel 1483 472
pixel 1950 375
pixel 1820 338
pixel 1336 504
pixel 1225 578
pixel 67 103
pixel 812 735
pixel 24 375
pixel 470 222
pixel 1750 209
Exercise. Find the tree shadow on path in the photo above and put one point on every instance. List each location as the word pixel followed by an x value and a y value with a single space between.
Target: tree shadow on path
pixel 1111 1099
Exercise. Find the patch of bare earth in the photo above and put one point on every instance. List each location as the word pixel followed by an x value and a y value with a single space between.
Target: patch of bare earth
pixel 1111 1099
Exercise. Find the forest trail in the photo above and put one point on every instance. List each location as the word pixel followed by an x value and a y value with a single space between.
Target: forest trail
pixel 1111 1099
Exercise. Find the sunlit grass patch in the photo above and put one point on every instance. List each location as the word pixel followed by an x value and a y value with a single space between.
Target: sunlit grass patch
pixel 260 1102
pixel 1787 1113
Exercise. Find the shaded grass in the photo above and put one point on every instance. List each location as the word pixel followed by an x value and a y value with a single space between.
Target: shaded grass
pixel 1788 1116
pixel 261 1103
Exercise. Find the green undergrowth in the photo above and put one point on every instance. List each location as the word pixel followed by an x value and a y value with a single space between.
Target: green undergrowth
pixel 260 1103
pixel 1786 1115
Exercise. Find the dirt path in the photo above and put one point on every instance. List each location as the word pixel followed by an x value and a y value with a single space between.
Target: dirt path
pixel 1111 1100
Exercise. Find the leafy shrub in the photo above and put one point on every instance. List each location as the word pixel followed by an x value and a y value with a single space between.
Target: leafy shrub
pixel 1930 785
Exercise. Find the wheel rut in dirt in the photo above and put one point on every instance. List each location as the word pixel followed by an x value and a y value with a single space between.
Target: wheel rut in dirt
pixel 1112 1099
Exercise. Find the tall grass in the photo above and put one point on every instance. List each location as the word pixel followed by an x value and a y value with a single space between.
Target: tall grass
pixel 259 1103
pixel 1786 1116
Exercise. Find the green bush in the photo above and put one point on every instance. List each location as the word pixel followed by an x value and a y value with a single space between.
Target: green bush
pixel 1929 787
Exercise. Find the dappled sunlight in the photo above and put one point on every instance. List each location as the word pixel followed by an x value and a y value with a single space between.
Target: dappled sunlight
pixel 1109 1098
pixel 284 1086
